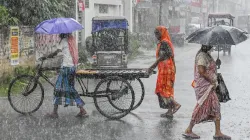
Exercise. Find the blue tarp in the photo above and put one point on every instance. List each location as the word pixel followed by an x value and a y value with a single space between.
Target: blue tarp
pixel 98 25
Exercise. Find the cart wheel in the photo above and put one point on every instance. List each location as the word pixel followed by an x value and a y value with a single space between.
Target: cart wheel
pixel 25 95
pixel 139 92
pixel 114 97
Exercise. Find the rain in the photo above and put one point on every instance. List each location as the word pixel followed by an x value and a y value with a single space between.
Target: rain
pixel 124 69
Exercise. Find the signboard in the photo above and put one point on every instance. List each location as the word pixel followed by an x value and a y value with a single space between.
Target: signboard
pixel 14 46
pixel 196 3
pixel 158 1
pixel 81 5
pixel 135 1
pixel 86 3
pixel 173 1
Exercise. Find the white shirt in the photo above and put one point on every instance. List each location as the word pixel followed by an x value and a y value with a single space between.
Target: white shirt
pixel 67 58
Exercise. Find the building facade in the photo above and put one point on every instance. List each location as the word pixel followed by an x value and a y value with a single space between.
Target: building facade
pixel 175 14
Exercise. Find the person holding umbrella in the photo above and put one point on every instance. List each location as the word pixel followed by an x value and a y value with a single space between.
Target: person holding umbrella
pixel 206 79
pixel 64 89
pixel 166 71
pixel 204 84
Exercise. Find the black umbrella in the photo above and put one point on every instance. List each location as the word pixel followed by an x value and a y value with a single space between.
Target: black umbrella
pixel 218 35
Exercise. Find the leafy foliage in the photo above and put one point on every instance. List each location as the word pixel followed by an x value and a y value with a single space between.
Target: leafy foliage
pixel 8 76
pixel 82 55
pixel 134 46
pixel 88 45
pixel 5 18
pixel 35 11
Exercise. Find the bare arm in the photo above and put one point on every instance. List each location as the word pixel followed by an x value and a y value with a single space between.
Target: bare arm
pixel 165 52
pixel 54 53
pixel 50 55
pixel 152 67
pixel 60 47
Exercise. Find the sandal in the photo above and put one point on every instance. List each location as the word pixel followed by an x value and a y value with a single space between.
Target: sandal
pixel 191 136
pixel 224 137
pixel 82 115
pixel 176 108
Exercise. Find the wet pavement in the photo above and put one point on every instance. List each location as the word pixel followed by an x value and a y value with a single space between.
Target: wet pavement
pixel 143 123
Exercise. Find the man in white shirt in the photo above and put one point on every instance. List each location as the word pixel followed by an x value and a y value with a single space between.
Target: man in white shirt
pixel 64 89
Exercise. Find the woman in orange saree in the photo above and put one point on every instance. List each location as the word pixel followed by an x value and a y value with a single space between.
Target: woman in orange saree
pixel 166 71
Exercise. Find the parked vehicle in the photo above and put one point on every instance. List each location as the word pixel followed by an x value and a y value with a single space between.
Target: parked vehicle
pixel 221 19
pixel 109 42
pixel 177 31
pixel 190 28
pixel 243 22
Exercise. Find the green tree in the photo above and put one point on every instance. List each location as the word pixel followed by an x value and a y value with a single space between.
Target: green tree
pixel 33 12
pixel 5 18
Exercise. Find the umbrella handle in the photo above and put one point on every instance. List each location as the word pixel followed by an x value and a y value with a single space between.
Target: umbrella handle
pixel 218 63
pixel 218 52
pixel 218 67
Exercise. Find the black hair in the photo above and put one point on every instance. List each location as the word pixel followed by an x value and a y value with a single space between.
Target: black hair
pixel 62 36
pixel 206 48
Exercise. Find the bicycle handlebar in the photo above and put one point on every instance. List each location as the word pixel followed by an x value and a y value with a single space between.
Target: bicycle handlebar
pixel 44 58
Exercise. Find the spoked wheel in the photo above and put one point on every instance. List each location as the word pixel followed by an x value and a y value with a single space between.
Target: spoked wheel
pixel 139 90
pixel 114 97
pixel 25 94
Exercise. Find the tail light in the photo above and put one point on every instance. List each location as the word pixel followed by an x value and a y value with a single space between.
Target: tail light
pixel 94 57
pixel 124 58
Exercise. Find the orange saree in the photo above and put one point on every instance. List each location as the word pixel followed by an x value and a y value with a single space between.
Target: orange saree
pixel 166 68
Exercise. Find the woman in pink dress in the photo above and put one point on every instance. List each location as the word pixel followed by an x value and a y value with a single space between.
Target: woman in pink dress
pixel 208 106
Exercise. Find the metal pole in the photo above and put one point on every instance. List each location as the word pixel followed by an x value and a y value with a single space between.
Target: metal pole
pixel 76 3
pixel 135 23
pixel 201 12
pixel 160 12
pixel 217 5
pixel 213 6
pixel 246 6
pixel 83 23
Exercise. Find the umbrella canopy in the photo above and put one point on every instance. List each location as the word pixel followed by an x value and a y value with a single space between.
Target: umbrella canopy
pixel 218 35
pixel 58 26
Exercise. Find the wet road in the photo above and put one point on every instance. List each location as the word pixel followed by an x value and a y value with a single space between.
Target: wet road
pixel 143 123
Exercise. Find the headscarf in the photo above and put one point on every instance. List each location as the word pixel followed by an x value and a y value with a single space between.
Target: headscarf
pixel 206 48
pixel 165 36
pixel 164 33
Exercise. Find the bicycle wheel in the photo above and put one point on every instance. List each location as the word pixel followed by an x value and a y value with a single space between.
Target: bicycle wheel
pixel 114 97
pixel 139 90
pixel 25 95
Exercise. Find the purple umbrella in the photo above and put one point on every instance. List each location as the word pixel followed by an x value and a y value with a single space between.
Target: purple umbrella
pixel 58 26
